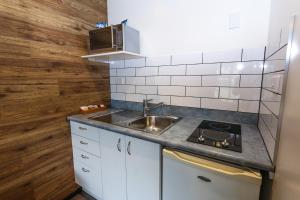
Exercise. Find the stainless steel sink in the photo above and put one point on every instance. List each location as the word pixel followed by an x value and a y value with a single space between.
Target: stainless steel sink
pixel 153 124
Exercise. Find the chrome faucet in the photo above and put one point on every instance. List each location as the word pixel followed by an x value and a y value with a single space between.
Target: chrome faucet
pixel 146 108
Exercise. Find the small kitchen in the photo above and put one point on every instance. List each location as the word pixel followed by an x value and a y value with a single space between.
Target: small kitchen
pixel 130 100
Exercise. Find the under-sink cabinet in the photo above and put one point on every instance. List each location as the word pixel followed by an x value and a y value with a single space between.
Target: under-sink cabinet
pixel 112 166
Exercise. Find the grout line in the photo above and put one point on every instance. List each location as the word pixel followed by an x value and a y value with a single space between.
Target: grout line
pixel 242 54
pixel 193 97
pixel 200 74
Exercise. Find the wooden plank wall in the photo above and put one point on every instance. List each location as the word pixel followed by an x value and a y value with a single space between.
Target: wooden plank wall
pixel 42 81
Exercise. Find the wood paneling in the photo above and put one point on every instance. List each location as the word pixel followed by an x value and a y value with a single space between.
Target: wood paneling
pixel 42 81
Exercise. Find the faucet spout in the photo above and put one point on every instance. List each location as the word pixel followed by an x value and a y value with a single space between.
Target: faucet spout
pixel 147 109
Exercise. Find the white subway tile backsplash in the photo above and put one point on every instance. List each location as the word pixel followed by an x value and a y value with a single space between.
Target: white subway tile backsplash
pixel 183 80
pixel 117 80
pixel 140 62
pixel 118 96
pixel 274 82
pixel 185 101
pixel 186 80
pixel 126 88
pixel 135 80
pixel 158 80
pixel 158 61
pixel 267 137
pixel 270 120
pixel 240 93
pixel 146 89
pixel 172 70
pixel 274 65
pixel 253 54
pixel 203 69
pixel 187 59
pixel 219 104
pixel 222 56
pixel 212 92
pixel 255 67
pixel 221 80
pixel 248 106
pixel 271 101
pixel 251 80
pixel 126 72
pixel 171 90
pixel 135 97
pixel 113 72
pixel 279 55
pixel 113 88
pixel 147 71
pixel 159 98
pixel 117 64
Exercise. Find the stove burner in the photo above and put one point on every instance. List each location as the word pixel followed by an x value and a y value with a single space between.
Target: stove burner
pixel 218 134
pixel 219 126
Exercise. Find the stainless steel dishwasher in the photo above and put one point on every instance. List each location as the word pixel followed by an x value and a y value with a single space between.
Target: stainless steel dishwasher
pixel 187 177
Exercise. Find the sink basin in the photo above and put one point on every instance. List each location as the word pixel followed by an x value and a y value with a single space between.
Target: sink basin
pixel 153 124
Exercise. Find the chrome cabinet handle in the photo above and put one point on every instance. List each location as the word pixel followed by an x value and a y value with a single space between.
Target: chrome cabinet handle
pixel 128 148
pixel 119 145
pixel 85 170
pixel 84 157
pixel 82 142
pixel 81 128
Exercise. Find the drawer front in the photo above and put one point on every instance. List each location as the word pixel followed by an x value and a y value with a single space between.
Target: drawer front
pixel 88 178
pixel 86 158
pixel 86 131
pixel 85 144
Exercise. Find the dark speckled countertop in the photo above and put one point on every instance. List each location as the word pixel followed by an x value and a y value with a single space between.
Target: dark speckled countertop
pixel 254 153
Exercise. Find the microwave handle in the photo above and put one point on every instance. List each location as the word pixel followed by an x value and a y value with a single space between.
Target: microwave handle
pixel 113 31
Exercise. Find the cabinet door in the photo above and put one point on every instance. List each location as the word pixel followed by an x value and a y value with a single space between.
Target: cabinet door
pixel 143 169
pixel 113 165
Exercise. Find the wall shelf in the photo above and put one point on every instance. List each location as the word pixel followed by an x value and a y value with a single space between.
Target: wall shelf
pixel 112 56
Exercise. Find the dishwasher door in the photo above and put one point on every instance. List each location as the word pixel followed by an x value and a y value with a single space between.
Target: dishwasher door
pixel 187 177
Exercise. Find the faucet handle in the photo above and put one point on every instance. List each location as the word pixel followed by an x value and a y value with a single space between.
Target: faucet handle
pixel 147 100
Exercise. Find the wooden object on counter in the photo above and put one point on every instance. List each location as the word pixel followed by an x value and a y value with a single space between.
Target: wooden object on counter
pixel 92 109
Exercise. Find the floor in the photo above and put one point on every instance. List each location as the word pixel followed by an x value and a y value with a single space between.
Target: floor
pixel 82 196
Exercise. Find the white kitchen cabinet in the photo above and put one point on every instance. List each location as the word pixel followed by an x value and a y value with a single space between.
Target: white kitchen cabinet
pixel 113 165
pixel 130 167
pixel 88 178
pixel 87 161
pixel 143 169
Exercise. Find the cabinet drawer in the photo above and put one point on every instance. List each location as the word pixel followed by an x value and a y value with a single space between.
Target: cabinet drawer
pixel 85 144
pixel 85 131
pixel 88 178
pixel 86 158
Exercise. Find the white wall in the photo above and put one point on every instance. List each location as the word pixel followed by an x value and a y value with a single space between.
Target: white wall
pixel 281 12
pixel 185 26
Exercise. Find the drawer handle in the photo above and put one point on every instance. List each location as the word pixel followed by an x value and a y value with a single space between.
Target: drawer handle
pixel 82 142
pixel 203 178
pixel 128 148
pixel 84 157
pixel 85 170
pixel 81 128
pixel 119 145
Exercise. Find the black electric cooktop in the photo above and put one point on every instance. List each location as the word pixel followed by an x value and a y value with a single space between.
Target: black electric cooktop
pixel 218 134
